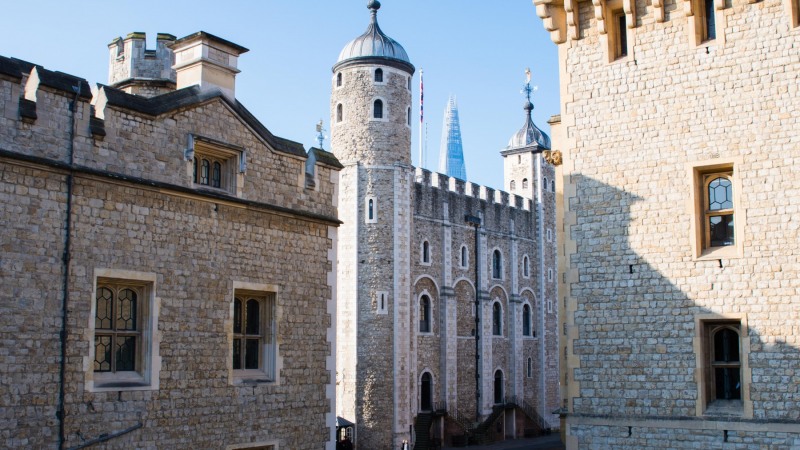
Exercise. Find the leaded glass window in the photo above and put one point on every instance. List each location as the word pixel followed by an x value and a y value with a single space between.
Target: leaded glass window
pixel 117 338
pixel 254 333
pixel 719 211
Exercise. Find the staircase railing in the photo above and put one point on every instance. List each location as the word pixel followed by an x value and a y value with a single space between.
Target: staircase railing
pixel 529 410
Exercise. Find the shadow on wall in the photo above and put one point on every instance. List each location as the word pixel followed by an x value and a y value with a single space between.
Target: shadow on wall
pixel 662 336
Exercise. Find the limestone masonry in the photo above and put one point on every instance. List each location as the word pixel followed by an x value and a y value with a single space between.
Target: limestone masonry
pixel 679 192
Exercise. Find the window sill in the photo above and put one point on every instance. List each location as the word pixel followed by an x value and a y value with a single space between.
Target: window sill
pixel 725 408
pixel 712 253
pixel 423 263
pixel 250 376
pixel 425 333
pixel 133 381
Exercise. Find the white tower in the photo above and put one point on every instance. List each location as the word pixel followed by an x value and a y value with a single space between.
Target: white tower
pixel 371 137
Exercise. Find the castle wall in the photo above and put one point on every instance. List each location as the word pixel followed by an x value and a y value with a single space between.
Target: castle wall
pixel 641 290
pixel 134 211
pixel 440 205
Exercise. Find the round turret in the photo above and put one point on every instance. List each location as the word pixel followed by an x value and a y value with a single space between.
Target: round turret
pixel 371 99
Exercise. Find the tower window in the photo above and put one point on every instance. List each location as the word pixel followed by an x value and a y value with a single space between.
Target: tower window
pixel 339 79
pixel 408 120
pixel 426 253
pixel 530 368
pixel 621 30
pixel 497 319
pixel 377 109
pixel 513 185
pixel 379 75
pixel 719 229
pixel 526 320
pixel 424 314
pixel 553 185
pixel 339 112
pixel 497 265
pixel 709 23
pixel 371 210
pixel 526 271
pixel 524 183
pixel 464 257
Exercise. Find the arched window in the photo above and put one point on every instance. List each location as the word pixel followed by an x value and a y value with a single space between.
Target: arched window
pixel 544 185
pixel 426 252
pixel 553 185
pixel 526 271
pixel 377 109
pixel 339 112
pixel 524 183
pixel 408 121
pixel 379 75
pixel 424 314
pixel 726 364
pixel 464 256
pixel 216 174
pixel 426 392
pixel 498 387
pixel 497 319
pixel 371 209
pixel 530 368
pixel 526 320
pixel 409 83
pixel 497 265
pixel 513 185
pixel 339 79
pixel 719 212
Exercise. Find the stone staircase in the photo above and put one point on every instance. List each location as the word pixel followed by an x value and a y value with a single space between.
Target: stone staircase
pixel 422 425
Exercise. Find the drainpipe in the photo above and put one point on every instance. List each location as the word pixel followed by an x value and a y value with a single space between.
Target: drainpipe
pixel 65 258
pixel 476 223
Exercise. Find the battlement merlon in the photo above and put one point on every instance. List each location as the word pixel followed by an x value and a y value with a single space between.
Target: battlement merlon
pixel 428 179
pixel 138 70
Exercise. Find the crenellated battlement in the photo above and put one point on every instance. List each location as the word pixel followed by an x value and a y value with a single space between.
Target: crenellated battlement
pixel 427 179
pixel 138 70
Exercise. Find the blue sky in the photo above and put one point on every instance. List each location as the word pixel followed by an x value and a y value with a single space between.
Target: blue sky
pixel 475 49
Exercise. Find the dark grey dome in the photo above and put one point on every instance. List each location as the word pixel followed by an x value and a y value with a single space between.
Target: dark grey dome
pixel 529 134
pixel 374 46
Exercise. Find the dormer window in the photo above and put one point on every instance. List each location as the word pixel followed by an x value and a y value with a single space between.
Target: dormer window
pixel 215 165
pixel 379 75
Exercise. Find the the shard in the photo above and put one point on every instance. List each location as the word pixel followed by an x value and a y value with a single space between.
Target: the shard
pixel 451 152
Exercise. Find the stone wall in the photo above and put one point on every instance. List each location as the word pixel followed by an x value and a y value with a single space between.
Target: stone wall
pixel 134 209
pixel 639 287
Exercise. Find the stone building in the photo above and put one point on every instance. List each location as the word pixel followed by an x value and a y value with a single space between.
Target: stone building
pixel 679 191
pixel 446 319
pixel 168 264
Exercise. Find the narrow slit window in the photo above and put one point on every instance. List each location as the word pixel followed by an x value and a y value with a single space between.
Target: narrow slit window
pixel 709 22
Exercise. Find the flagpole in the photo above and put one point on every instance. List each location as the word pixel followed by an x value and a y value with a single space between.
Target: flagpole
pixel 421 121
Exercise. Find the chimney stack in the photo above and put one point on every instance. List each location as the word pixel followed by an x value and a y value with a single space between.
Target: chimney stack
pixel 207 61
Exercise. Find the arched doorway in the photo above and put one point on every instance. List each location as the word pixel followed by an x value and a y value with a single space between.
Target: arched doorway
pixel 426 393
pixel 498 387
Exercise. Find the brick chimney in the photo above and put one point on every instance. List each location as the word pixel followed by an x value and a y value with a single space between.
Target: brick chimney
pixel 207 61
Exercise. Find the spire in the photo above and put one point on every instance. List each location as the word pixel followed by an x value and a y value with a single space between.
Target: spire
pixel 451 152
pixel 529 134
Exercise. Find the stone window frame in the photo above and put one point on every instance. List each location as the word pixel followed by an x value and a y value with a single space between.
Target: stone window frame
pixel 703 375
pixel 378 72
pixel 425 253
pixel 526 266
pixel 424 371
pixel 608 14
pixel 498 328
pixel 549 306
pixel 408 83
pixel 697 173
pixel 384 112
pixel 502 393
pixel 512 185
pixel 550 274
pixel 261 445
pixel 146 378
pixel 431 322
pixel 339 80
pixel 695 13
pixel 529 367
pixel 549 235
pixel 270 362
pixel 382 302
pixel 793 10
pixel 367 218
pixel 524 183
pixel 463 262
pixel 339 113
pixel 408 119
pixel 497 268
pixel 232 158
pixel 544 184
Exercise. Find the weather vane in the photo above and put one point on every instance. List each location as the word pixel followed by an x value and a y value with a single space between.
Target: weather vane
pixel 321 134
pixel 528 89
